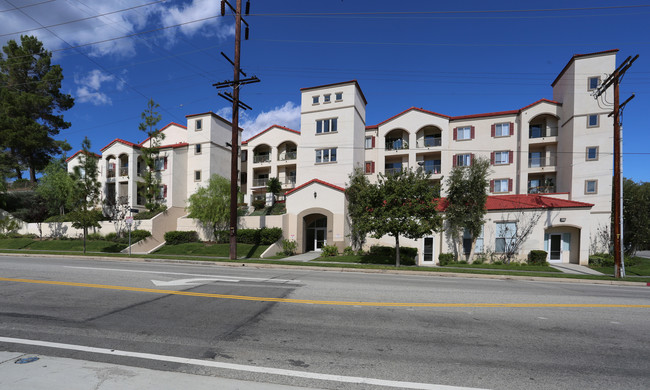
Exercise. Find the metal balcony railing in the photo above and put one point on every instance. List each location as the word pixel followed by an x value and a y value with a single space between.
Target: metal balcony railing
pixel 392 171
pixel 290 182
pixel 430 142
pixel 124 171
pixel 432 169
pixel 110 173
pixel 541 190
pixel 397 145
pixel 541 133
pixel 539 162
pixel 288 156
pixel 260 182
pixel 260 158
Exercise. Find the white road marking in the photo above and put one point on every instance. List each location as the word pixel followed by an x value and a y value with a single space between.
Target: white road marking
pixel 265 280
pixel 542 318
pixel 189 282
pixel 236 367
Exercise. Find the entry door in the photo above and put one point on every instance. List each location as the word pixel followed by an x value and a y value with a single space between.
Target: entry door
pixel 556 248
pixel 428 249
pixel 319 238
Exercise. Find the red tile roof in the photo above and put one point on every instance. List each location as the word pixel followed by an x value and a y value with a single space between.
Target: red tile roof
pixel 578 56
pixel 81 151
pixel 499 113
pixel 176 145
pixel 122 142
pixel 517 202
pixel 264 131
pixel 315 181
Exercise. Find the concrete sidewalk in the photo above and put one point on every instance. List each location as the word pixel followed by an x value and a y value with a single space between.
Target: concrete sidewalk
pixel 62 373
pixel 575 269
pixel 308 256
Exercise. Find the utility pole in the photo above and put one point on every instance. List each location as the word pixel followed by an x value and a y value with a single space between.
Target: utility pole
pixel 236 103
pixel 615 80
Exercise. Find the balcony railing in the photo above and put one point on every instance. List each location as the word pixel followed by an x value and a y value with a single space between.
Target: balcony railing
pixel 397 145
pixel 288 156
pixel 260 158
pixel 539 162
pixel 541 190
pixel 432 169
pixel 110 173
pixel 541 133
pixel 124 171
pixel 392 171
pixel 430 142
pixel 289 182
pixel 260 182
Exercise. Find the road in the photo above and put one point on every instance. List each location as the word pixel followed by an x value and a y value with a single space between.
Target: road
pixel 328 329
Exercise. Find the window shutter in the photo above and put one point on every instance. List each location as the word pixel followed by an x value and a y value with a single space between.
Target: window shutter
pixel 165 162
pixel 566 241
pixel 165 191
pixel 509 185
pixel 546 238
pixel 373 141
pixel 455 133
pixel 372 166
pixel 471 159
pixel 512 128
pixel 492 157
pixel 494 130
pixel 454 160
pixel 510 157
pixel 472 133
pixel 491 185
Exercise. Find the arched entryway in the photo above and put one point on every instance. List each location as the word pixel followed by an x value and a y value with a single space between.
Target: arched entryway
pixel 315 234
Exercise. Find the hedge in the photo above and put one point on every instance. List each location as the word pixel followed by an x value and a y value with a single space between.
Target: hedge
pixel 180 237
pixel 537 257
pixel 445 258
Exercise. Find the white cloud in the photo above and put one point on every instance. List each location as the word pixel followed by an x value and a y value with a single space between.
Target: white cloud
pixel 198 10
pixel 287 115
pixel 90 84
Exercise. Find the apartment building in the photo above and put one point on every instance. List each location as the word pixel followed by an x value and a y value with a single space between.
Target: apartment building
pixel 556 154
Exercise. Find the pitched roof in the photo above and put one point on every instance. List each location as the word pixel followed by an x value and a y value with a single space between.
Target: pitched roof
pixel 176 145
pixel 315 181
pixel 163 129
pixel 121 141
pixel 265 130
pixel 81 151
pixel 579 56
pixel 518 202
pixel 212 114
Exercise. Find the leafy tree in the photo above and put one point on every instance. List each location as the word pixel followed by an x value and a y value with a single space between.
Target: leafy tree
pixel 151 152
pixel 274 186
pixel 636 209
pixel 30 106
pixel 359 192
pixel 87 189
pixel 401 204
pixel 57 187
pixel 466 197
pixel 211 204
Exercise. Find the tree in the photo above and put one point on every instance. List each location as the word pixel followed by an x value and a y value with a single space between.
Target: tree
pixel 87 189
pixel 57 187
pixel 466 197
pixel 401 204
pixel 151 152
pixel 30 105
pixel 211 204
pixel 358 194
pixel 636 209
pixel 274 186
pixel 514 234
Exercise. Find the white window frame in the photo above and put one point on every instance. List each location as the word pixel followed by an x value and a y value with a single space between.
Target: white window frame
pixel 338 96
pixel 368 142
pixel 595 187
pixel 478 247
pixel 159 163
pixel 198 125
pixel 593 116
pixel 327 98
pixel 499 160
pixel 466 131
pixel 327 125
pixel 499 129
pixel 589 88
pixel 464 160
pixel 315 99
pixel 507 232
pixel 500 183
pixel 327 155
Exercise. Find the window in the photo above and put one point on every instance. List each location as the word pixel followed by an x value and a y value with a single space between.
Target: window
pixel 369 167
pixel 160 163
pixel 393 168
pixel 592 153
pixel 244 155
pixel 591 186
pixel 535 159
pixel 314 100
pixel 370 142
pixel 197 175
pixel 505 236
pixel 501 130
pixel 198 124
pixel 500 185
pixel 463 160
pixel 326 125
pixel 162 192
pixel 467 242
pixel 501 158
pixel 197 149
pixel 535 131
pixel 593 83
pixel 325 155
pixel 463 133
pixel 326 98
pixel 338 96
pixel 592 120
pixel 432 166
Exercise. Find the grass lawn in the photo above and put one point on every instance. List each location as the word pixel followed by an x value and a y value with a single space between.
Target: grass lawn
pixel 217 250
pixel 15 243
pixel 362 259
pixel 642 268
pixel 77 245
pixel 513 267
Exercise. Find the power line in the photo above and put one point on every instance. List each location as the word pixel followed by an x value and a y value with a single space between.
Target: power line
pixel 26 6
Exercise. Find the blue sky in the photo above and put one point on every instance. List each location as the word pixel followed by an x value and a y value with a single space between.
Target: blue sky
pixel 455 58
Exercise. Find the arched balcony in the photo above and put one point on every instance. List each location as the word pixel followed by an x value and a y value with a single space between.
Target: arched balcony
pixel 111 167
pixel 261 154
pixel 429 137
pixel 287 151
pixel 543 126
pixel 124 165
pixel 397 139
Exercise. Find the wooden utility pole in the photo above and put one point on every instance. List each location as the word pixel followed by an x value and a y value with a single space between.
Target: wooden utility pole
pixel 236 103
pixel 615 80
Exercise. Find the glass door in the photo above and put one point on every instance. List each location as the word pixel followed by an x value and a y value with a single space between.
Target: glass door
pixel 556 248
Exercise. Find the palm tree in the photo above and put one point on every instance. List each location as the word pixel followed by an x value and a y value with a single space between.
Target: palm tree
pixel 274 186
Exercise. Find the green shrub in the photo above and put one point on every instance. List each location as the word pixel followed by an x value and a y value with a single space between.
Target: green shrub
pixel 445 258
pixel 111 237
pixel 259 204
pixel 601 260
pixel 94 237
pixel 149 214
pixel 329 251
pixel 248 236
pixel 270 236
pixel 379 254
pixel 289 247
pixel 348 251
pixel 497 262
pixel 462 262
pixel 58 218
pixel 537 257
pixel 480 259
pixel 181 237
pixel 139 234
pixel 223 236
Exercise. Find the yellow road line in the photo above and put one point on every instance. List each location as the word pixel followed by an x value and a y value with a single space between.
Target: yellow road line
pixel 317 302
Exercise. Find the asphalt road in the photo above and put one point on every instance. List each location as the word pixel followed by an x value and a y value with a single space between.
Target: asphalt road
pixel 328 329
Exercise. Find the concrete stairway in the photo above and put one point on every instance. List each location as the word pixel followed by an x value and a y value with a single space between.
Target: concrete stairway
pixel 161 224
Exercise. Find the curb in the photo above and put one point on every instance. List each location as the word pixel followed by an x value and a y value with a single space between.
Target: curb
pixel 334 269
